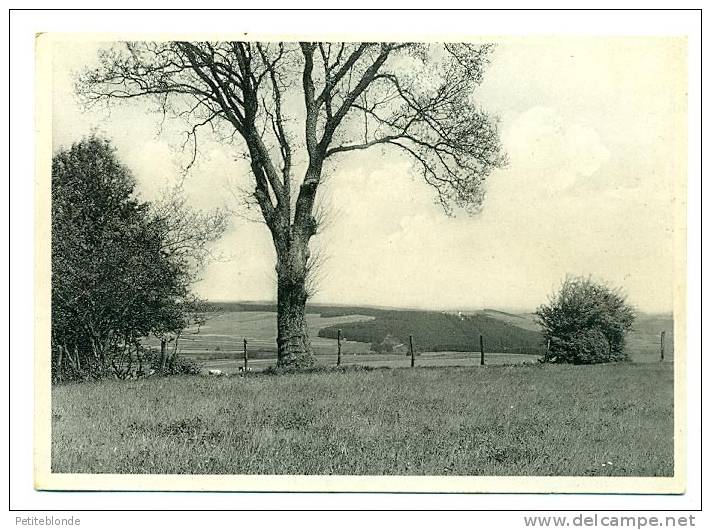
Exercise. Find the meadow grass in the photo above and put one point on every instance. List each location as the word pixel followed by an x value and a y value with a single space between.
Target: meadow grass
pixel 547 420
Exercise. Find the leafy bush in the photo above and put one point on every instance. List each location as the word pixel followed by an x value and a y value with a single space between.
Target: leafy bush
pixel 589 346
pixel 585 323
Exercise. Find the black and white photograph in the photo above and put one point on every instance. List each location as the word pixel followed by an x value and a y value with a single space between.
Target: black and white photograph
pixel 307 263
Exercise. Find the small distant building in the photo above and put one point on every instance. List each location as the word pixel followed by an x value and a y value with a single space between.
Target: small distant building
pixel 390 344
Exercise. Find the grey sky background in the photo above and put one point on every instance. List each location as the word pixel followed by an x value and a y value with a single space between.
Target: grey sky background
pixel 595 129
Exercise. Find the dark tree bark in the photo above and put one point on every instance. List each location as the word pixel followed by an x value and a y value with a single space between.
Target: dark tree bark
pixel 294 347
pixel 415 98
pixel 292 269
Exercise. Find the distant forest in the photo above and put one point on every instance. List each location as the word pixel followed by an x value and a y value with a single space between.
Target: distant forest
pixel 433 331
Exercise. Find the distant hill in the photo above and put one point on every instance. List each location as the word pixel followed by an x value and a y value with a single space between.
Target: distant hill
pixel 523 320
pixel 432 331
pixel 451 331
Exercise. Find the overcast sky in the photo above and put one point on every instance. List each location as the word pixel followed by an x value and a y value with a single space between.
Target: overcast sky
pixel 595 130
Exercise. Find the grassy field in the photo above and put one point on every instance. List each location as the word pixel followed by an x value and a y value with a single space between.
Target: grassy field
pixel 498 420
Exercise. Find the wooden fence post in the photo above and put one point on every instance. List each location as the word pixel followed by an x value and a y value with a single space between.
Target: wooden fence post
pixel 661 346
pixel 338 362
pixel 163 346
pixel 412 353
pixel 60 351
pixel 481 349
pixel 246 356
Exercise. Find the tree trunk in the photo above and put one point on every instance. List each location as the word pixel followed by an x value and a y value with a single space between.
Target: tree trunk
pixel 294 346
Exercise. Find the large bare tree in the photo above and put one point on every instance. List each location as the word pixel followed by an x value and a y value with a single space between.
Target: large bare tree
pixel 296 107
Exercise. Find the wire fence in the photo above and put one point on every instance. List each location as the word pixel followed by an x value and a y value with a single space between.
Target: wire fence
pixel 228 354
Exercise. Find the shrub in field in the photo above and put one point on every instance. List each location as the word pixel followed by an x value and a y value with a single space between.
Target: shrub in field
pixel 585 322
